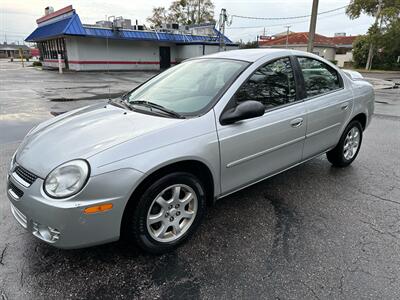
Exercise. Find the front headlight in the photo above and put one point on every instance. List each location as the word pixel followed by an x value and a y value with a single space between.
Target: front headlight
pixel 67 179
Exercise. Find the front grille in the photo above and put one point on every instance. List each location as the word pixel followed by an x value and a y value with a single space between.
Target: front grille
pixel 15 189
pixel 27 176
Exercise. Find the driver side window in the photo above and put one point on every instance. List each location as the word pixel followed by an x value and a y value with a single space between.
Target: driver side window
pixel 272 84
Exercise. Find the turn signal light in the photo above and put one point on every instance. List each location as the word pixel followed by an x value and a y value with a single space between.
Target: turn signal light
pixel 98 208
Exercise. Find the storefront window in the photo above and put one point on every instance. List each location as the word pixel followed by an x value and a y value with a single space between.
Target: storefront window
pixel 51 48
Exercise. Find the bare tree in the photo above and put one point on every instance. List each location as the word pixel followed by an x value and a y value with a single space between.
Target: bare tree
pixel 184 12
pixel 159 16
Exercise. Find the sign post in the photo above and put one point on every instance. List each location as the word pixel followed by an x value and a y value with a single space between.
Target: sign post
pixel 21 55
pixel 59 64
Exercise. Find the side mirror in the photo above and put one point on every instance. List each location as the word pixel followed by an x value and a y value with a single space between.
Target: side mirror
pixel 244 110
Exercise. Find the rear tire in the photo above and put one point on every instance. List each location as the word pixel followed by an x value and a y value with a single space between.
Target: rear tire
pixel 348 147
pixel 167 213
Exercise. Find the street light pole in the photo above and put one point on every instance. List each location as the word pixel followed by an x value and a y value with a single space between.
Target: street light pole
pixel 313 25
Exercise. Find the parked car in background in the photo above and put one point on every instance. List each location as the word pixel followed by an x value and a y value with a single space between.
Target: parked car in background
pixel 147 165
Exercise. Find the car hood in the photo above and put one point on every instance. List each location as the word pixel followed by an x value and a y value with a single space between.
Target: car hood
pixel 83 133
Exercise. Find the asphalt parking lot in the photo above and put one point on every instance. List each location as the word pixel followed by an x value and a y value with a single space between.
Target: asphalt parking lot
pixel 311 232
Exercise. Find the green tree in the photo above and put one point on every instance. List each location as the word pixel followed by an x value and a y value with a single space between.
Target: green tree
pixel 360 51
pixel 248 45
pixel 389 12
pixel 388 49
pixel 386 52
pixel 386 13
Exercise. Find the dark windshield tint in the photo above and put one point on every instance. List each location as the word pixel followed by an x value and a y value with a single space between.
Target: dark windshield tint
pixel 189 87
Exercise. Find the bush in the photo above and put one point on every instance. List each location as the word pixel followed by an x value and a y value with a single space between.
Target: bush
pixel 334 61
pixel 360 51
pixel 37 64
pixel 387 48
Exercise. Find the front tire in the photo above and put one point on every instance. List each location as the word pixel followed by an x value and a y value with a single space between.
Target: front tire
pixel 348 147
pixel 167 213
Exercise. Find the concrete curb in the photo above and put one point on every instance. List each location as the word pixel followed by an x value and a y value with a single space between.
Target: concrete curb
pixel 380 84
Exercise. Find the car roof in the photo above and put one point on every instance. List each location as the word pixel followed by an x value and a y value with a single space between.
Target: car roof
pixel 252 55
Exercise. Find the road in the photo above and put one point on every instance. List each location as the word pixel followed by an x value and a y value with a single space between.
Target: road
pixel 311 232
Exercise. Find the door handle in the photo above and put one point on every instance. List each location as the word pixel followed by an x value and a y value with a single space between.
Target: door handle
pixel 296 122
pixel 344 106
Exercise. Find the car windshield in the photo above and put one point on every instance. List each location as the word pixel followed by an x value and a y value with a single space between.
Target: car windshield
pixel 188 87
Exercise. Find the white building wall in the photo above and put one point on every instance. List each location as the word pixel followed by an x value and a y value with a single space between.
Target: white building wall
pixel 209 49
pixel 88 54
pixel 342 58
pixel 189 51
pixel 325 52
pixel 85 54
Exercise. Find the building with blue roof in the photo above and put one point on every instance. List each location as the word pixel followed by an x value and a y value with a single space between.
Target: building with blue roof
pixel 116 46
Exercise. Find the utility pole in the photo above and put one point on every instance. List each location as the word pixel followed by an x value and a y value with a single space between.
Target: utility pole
pixel 313 25
pixel 222 20
pixel 287 36
pixel 371 45
pixel 198 13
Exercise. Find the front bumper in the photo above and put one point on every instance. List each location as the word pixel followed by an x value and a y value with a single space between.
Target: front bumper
pixel 63 223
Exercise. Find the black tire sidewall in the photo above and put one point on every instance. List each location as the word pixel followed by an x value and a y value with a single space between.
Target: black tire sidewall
pixel 138 221
pixel 340 146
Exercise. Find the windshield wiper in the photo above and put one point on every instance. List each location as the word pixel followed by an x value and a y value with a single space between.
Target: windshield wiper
pixel 119 102
pixel 156 106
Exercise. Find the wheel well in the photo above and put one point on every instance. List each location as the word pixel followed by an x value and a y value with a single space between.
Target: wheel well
pixel 362 118
pixel 194 167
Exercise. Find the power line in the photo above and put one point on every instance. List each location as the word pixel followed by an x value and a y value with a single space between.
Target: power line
pixel 287 18
pixel 280 24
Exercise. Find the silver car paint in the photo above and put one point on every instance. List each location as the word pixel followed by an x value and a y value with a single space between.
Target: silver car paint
pixel 79 229
pixel 124 147
pixel 83 134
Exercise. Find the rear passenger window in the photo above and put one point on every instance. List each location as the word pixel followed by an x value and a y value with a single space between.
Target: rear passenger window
pixel 319 78
pixel 272 84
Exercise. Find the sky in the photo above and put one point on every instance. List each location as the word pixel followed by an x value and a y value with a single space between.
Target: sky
pixel 17 17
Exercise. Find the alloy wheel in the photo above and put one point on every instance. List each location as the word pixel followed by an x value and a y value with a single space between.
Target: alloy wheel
pixel 351 143
pixel 172 212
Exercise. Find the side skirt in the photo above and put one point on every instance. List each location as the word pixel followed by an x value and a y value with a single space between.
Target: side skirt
pixel 264 178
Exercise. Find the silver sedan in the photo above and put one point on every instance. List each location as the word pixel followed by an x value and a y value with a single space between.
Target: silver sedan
pixel 146 166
